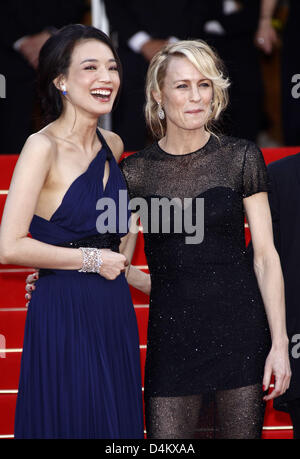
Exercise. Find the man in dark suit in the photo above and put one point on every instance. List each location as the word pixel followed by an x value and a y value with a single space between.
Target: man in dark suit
pixel 284 198
pixel 234 41
pixel 141 28
pixel 25 26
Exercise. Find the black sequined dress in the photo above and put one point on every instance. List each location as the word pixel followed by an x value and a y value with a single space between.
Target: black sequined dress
pixel 207 327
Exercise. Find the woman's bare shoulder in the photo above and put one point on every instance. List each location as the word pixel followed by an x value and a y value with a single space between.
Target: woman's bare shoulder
pixel 114 142
pixel 39 143
pixel 37 154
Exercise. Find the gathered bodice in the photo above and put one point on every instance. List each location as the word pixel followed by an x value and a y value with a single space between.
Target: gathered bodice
pixel 81 215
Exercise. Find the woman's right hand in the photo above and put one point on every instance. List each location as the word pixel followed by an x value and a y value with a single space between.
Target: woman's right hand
pixel 113 264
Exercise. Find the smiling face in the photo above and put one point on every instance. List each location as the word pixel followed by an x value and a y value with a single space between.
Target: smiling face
pixel 186 95
pixel 93 79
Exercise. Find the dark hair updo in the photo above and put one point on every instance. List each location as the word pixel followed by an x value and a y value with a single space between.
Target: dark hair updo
pixel 55 59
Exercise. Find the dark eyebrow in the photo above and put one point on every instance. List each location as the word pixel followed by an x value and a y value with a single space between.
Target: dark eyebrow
pixel 95 60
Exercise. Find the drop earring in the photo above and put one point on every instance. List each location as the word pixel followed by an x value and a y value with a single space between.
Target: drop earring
pixel 64 90
pixel 160 112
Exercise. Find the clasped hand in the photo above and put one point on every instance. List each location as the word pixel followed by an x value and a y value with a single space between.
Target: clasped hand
pixel 113 264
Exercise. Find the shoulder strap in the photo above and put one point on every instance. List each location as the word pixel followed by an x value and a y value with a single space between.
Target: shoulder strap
pixel 104 143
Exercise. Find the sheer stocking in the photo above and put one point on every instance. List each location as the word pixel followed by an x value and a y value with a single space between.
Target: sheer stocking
pixel 235 414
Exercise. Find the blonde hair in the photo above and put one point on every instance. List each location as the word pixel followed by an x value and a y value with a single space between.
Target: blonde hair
pixel 206 60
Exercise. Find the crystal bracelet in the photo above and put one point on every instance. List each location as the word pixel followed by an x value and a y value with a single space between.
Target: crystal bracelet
pixel 92 260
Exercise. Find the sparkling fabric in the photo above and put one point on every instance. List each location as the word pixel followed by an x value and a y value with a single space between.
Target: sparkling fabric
pixel 208 335
pixel 234 414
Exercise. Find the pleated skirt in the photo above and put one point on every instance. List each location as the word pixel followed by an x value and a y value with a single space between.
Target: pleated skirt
pixel 80 371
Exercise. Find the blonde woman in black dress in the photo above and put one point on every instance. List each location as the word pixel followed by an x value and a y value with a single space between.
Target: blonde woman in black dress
pixel 210 311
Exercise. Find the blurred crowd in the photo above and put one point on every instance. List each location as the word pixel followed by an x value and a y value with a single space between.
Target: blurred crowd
pixel 239 30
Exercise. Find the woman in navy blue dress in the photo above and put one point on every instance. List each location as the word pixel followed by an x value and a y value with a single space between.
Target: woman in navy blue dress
pixel 80 372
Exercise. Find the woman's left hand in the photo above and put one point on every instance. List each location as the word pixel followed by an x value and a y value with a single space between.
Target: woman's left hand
pixel 30 285
pixel 277 364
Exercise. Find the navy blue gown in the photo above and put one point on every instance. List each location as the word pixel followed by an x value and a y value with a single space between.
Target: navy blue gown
pixel 80 370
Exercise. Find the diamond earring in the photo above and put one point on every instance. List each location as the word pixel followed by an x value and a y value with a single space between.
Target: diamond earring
pixel 160 112
pixel 64 90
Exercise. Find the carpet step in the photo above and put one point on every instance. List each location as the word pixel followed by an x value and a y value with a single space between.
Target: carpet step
pixel 276 418
pixel 12 288
pixel 10 370
pixel 7 165
pixel 7 410
pixel 12 325
pixel 277 434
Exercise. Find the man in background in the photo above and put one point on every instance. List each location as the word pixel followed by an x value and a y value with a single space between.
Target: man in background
pixel 266 38
pixel 141 28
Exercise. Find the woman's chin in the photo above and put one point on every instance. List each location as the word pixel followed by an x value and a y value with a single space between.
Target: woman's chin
pixel 104 112
pixel 100 111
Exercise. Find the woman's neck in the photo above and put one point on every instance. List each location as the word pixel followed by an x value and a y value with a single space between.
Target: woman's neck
pixel 182 141
pixel 81 131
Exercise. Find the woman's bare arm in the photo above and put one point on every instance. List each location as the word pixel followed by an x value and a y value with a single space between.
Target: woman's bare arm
pixel 28 179
pixel 270 280
pixel 139 280
pixel 15 246
pixel 135 277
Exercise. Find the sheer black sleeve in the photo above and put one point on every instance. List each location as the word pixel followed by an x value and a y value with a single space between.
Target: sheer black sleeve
pixel 255 176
